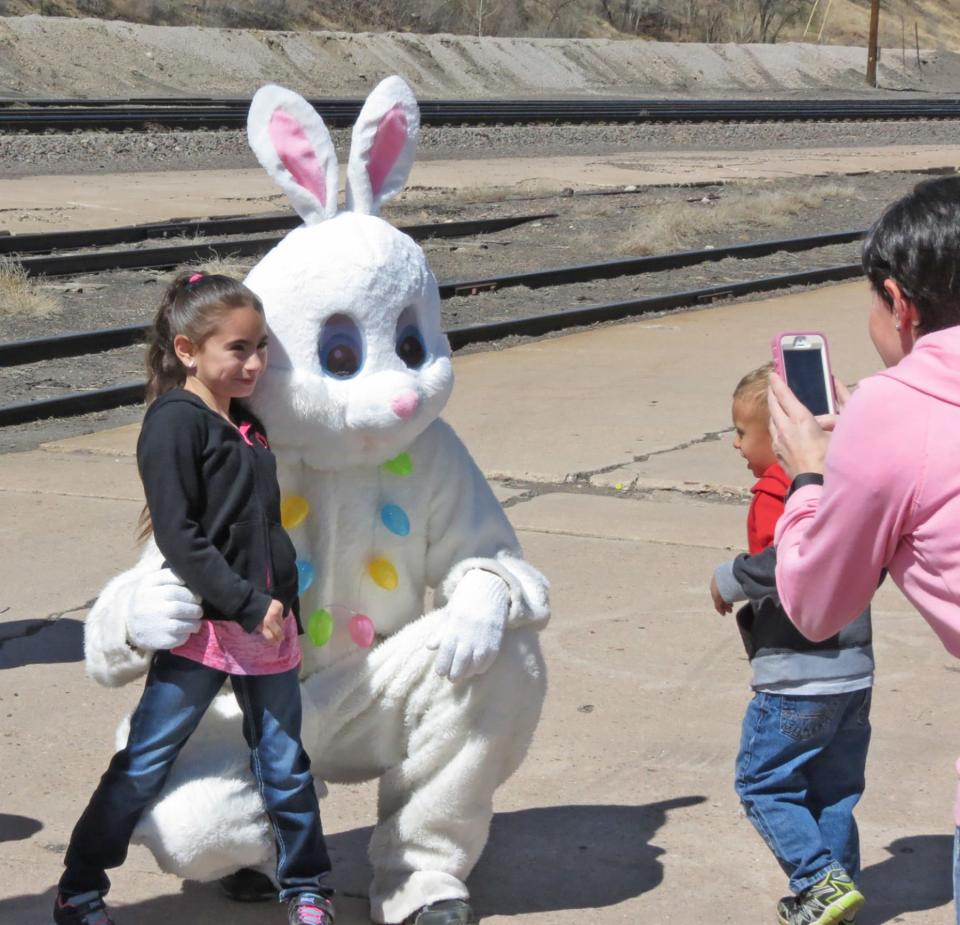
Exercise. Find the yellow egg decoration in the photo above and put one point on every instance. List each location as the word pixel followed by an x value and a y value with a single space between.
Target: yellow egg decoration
pixel 384 573
pixel 293 511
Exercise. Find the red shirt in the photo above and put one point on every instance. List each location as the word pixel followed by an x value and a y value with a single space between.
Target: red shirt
pixel 769 496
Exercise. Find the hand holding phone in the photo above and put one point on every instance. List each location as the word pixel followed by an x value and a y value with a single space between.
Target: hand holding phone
pixel 802 361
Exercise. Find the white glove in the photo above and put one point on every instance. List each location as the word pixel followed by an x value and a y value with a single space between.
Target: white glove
pixel 163 612
pixel 470 635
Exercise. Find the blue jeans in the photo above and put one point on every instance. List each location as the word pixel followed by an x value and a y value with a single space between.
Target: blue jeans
pixel 177 694
pixel 800 773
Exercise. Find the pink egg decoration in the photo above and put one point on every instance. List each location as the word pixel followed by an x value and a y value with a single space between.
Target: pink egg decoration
pixel 362 630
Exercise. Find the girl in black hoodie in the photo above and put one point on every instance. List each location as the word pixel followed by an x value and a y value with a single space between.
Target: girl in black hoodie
pixel 213 506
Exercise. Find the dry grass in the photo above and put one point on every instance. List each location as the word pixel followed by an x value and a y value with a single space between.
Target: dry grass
pixel 229 265
pixel 674 226
pixel 937 25
pixel 20 295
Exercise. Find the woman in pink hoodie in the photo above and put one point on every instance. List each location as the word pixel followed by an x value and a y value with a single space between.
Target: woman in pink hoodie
pixel 883 492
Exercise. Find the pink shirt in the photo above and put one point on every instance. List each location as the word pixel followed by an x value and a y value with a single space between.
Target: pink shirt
pixel 227 646
pixel 890 499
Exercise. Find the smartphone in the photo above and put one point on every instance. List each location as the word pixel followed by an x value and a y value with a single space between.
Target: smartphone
pixel 802 361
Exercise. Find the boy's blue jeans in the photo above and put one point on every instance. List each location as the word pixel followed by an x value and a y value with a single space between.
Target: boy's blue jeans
pixel 800 772
pixel 177 694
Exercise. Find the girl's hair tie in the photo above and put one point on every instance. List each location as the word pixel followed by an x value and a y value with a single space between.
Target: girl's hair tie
pixel 194 278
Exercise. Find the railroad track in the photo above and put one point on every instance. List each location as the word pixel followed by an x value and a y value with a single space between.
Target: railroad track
pixel 81 343
pixel 24 247
pixel 143 114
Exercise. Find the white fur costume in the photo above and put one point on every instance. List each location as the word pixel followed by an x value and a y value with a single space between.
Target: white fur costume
pixel 443 706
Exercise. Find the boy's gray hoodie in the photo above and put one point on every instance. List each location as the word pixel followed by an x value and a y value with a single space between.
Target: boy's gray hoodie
pixel 780 656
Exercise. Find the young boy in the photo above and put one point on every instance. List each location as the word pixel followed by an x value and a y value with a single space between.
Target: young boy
pixel 800 769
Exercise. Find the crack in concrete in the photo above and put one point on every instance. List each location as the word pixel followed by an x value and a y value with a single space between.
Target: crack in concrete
pixel 66 494
pixel 611 538
pixel 532 490
pixel 709 437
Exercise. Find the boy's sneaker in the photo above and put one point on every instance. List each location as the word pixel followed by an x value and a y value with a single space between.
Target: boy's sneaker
pixel 85 909
pixel 310 909
pixel 834 900
pixel 785 909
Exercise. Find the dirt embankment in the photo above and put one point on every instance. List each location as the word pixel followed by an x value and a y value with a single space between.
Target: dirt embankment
pixel 44 56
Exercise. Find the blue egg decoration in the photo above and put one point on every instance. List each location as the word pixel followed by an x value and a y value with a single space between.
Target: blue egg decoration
pixel 395 519
pixel 305 575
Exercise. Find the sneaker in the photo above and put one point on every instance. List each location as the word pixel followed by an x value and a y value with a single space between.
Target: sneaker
pixel 785 910
pixel 834 900
pixel 445 912
pixel 85 909
pixel 310 909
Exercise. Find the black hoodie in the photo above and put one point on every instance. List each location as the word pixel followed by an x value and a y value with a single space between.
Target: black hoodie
pixel 214 500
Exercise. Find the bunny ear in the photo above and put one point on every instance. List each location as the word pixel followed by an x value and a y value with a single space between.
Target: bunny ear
pixel 382 147
pixel 293 145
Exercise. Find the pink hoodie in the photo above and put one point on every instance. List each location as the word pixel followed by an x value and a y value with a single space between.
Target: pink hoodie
pixel 891 498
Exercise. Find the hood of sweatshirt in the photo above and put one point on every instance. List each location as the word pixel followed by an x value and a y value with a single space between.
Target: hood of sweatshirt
pixel 933 366
pixel 774 481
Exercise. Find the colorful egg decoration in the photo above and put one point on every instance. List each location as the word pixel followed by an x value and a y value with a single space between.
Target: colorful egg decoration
pixel 293 511
pixel 362 630
pixel 384 573
pixel 395 519
pixel 320 627
pixel 400 465
pixel 305 575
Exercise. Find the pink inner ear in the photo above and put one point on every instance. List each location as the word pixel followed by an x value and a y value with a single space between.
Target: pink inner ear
pixel 297 154
pixel 387 144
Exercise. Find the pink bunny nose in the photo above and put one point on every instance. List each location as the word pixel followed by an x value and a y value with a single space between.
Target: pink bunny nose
pixel 405 404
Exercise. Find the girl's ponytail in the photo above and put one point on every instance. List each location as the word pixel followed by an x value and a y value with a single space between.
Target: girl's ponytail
pixel 164 370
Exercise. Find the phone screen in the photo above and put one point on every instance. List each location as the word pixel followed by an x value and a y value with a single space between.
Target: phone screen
pixel 803 371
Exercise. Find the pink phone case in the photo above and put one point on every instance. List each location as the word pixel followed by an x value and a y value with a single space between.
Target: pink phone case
pixel 778 356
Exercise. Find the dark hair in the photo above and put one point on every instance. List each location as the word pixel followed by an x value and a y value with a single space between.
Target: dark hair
pixel 192 306
pixel 916 243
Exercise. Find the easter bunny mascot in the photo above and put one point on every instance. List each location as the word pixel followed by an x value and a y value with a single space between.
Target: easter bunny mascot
pixel 382 501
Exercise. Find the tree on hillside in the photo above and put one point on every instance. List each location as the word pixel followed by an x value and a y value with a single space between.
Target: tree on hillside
pixel 774 15
pixel 704 20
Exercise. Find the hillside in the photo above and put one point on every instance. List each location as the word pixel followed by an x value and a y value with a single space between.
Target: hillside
pixel 838 22
pixel 61 57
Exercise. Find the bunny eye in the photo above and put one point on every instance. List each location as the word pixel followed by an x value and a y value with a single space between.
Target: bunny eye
pixel 410 346
pixel 341 347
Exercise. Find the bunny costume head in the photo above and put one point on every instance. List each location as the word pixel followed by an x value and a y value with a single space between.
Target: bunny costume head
pixel 358 363
pixel 439 706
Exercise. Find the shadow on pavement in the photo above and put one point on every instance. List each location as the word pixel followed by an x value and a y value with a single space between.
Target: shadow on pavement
pixel 17 828
pixel 537 860
pixel 197 903
pixel 570 857
pixel 40 642
pixel 918 875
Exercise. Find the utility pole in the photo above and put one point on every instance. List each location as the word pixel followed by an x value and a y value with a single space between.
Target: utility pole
pixel 872 43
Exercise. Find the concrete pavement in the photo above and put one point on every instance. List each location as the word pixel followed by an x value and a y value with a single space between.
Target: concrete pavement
pixel 615 464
